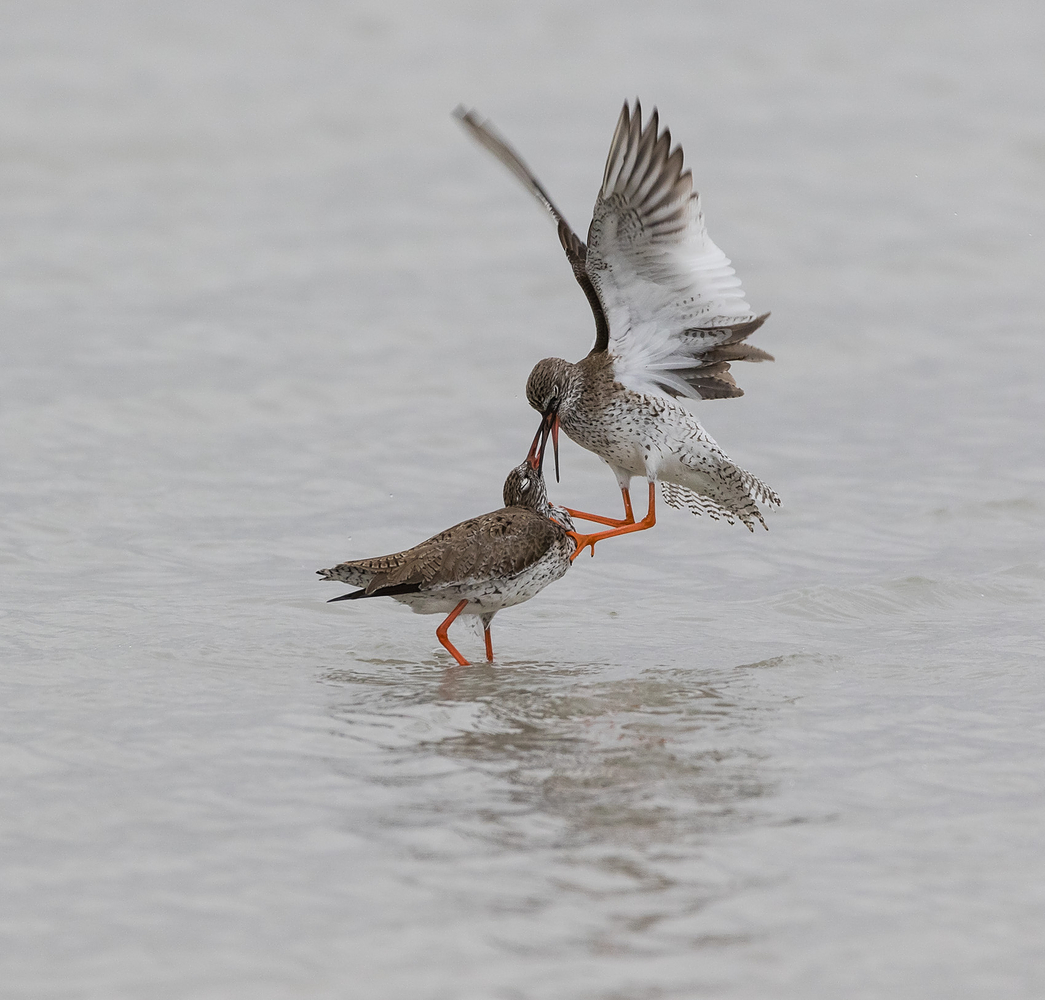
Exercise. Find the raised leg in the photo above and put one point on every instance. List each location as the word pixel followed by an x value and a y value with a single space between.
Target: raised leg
pixel 583 541
pixel 447 622
pixel 616 522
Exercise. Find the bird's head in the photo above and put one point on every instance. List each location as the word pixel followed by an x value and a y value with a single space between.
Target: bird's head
pixel 525 487
pixel 550 383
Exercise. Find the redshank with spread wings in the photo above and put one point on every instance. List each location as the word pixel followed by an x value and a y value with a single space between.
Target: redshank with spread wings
pixel 670 317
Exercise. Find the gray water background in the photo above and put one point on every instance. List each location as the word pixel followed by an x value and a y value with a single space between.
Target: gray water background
pixel 263 307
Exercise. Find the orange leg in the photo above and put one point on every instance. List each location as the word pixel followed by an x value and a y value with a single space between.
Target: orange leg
pixel 489 642
pixel 647 522
pixel 615 522
pixel 447 622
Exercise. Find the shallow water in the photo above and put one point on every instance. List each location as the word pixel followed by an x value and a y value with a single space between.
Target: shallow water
pixel 265 308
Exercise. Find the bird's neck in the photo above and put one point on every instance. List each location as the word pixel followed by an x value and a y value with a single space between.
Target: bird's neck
pixel 592 380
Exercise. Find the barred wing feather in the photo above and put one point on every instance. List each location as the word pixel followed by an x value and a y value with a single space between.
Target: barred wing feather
pixel 665 299
pixel 674 306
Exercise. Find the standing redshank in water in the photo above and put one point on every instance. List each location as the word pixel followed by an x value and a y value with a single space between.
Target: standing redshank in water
pixel 479 566
pixel 670 316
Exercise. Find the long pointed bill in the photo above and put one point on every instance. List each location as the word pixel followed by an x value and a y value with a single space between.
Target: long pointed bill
pixel 555 442
pixel 549 428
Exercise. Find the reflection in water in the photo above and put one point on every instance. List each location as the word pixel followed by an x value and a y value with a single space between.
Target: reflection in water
pixel 560 792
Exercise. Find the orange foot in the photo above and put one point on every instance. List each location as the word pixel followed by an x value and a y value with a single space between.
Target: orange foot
pixel 615 522
pixel 623 528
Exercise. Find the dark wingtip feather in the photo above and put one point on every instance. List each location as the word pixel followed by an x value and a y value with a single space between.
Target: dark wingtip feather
pixel 348 597
pixel 392 591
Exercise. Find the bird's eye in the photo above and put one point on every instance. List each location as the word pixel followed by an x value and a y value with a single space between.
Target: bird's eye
pixel 524 484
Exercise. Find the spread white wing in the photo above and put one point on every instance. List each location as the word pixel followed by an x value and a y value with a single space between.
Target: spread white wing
pixel 674 306
pixel 666 301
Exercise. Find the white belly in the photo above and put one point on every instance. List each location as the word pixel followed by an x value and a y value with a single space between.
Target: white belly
pixel 644 435
pixel 654 437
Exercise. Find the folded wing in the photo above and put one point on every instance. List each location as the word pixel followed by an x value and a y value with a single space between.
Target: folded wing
pixel 502 543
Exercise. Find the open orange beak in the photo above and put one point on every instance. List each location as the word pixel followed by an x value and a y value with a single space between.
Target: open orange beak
pixel 549 428
pixel 534 457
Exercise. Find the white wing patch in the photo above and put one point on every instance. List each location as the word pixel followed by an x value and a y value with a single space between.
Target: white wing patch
pixel 672 300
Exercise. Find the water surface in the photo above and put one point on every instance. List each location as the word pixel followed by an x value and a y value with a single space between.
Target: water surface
pixel 265 308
